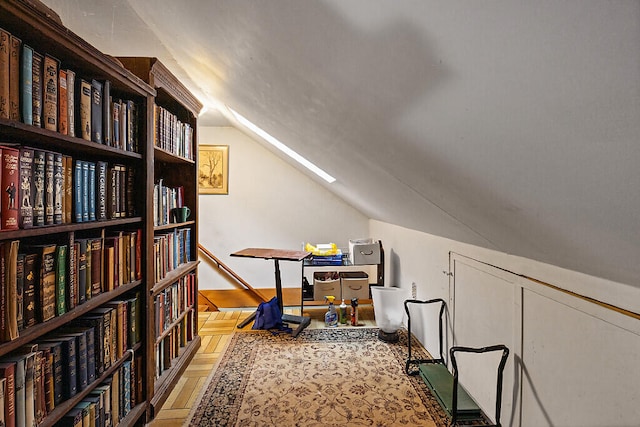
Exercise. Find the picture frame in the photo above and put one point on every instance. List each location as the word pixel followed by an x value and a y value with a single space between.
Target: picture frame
pixel 213 169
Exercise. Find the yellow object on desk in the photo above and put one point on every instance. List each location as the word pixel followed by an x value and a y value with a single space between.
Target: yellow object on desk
pixel 323 249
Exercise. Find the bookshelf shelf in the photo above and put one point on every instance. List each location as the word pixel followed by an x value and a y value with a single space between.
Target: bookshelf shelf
pixel 167 157
pixel 172 276
pixel 66 228
pixel 173 324
pixel 173 225
pixel 17 132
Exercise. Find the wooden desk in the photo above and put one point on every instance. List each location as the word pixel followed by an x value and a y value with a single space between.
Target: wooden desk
pixel 277 255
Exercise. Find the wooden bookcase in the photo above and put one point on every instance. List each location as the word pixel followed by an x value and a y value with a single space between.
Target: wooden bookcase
pixel 41 29
pixel 172 118
pixel 147 85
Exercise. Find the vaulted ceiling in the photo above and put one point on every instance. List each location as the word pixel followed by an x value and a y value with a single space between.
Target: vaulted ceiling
pixel 510 125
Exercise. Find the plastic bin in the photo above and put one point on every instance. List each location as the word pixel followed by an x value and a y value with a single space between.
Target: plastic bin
pixel 354 284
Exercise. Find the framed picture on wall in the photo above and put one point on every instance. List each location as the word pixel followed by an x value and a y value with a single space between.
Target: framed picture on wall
pixel 213 169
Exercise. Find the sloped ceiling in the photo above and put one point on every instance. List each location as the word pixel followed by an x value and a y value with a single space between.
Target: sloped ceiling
pixel 510 125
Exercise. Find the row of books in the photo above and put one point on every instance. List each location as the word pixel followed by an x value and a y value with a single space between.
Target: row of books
pixel 171 134
pixel 165 199
pixel 43 374
pixel 171 249
pixel 109 402
pixel 42 281
pixel 173 301
pixel 44 187
pixel 168 348
pixel 36 90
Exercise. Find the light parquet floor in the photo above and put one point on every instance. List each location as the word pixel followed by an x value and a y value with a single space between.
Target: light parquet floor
pixel 216 329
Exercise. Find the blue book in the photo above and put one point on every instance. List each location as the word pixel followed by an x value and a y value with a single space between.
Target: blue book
pixel 81 358
pixel 85 191
pixel 26 84
pixel 77 200
pixel 126 382
pixel 92 191
pixel 187 244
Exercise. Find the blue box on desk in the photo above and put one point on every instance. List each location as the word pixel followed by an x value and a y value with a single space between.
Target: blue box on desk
pixel 327 260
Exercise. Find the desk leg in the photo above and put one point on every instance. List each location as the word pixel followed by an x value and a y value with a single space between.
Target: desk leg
pixel 279 286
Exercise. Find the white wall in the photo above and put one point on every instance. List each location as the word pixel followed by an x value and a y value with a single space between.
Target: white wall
pixel 270 204
pixel 571 359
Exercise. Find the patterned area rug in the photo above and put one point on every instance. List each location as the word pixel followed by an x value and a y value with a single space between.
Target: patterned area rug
pixel 324 377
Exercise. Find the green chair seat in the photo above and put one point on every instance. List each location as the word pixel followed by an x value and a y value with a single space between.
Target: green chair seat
pixel 440 382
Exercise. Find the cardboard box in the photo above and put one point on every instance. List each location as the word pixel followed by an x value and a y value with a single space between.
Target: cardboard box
pixel 354 284
pixel 364 252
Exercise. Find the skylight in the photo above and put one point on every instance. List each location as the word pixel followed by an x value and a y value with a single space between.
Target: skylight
pixel 280 146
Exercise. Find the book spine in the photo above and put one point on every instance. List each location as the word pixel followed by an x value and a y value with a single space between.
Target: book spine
pixel 50 87
pixel 20 291
pixel 77 203
pixel 139 255
pixel 14 77
pixel 96 267
pixel 82 270
pixel 26 183
pixel 69 367
pixel 49 167
pixel 29 397
pixel 58 373
pixel 47 283
pixel 130 191
pixel 91 359
pixel 81 360
pixel 26 84
pixel 7 370
pixel 71 102
pixel 29 299
pixel 10 262
pixel 96 111
pixel 101 209
pixel 92 191
pixel 127 381
pixel 115 108
pixel 123 125
pixel 4 73
pixel 68 188
pixel 61 279
pixel 39 161
pixel 85 191
pixel 58 190
pixel 84 101
pixel 47 368
pixel 10 184
pixel 63 105
pixel 112 195
pixel 36 83
pixel 107 123
pixel 122 191
pixel 72 293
